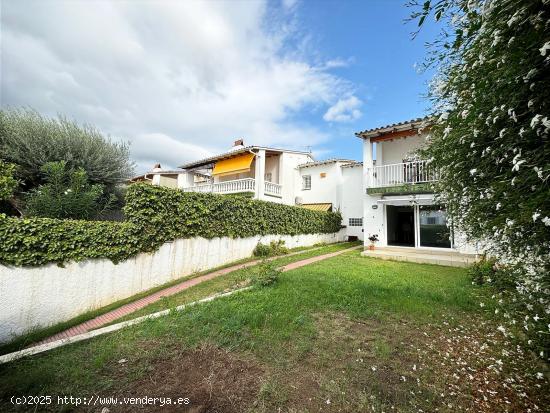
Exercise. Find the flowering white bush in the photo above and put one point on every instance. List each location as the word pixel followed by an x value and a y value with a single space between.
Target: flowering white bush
pixel 490 133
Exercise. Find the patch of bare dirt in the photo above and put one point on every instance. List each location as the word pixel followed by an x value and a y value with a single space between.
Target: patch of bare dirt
pixel 214 380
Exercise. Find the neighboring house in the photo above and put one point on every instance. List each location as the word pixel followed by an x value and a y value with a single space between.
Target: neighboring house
pixel 334 185
pixel 399 205
pixel 267 174
pixel 276 175
pixel 167 178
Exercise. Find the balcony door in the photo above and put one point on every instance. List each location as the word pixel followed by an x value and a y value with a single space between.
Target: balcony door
pixel 433 230
pixel 400 224
pixel 423 226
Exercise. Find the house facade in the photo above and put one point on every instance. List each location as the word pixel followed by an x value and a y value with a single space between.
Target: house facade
pixel 389 194
pixel 398 202
pixel 275 175
pixel 263 173
pixel 335 185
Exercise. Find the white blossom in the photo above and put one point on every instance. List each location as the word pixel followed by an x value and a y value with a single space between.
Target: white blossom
pixel 545 47
pixel 535 121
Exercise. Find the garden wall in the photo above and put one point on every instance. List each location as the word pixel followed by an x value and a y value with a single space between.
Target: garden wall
pixel 36 297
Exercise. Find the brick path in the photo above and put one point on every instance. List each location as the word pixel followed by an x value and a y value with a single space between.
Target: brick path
pixel 129 308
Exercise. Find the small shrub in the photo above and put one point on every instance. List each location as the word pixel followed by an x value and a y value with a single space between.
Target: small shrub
pixel 373 238
pixel 66 194
pixel 273 249
pixel 266 274
pixel 261 250
pixel 482 271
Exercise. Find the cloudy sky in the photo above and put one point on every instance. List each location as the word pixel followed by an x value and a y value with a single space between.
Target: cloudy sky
pixel 181 80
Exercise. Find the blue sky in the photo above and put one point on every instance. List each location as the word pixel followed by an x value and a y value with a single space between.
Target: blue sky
pixel 181 80
pixel 374 37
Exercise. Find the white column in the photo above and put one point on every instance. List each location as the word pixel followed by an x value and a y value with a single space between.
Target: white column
pixel 379 153
pixel 367 162
pixel 368 213
pixel 260 174
pixel 156 179
pixel 182 181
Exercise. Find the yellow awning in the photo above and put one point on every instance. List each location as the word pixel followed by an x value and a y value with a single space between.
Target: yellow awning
pixel 235 165
pixel 318 207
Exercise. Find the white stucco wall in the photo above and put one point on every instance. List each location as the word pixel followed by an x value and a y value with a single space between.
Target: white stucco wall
pixel 290 177
pixel 374 219
pixel 43 296
pixel 323 190
pixel 352 198
pixel 391 152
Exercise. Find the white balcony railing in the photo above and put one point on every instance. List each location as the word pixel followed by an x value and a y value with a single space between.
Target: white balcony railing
pixel 227 187
pixel 273 189
pixel 236 186
pixel 414 172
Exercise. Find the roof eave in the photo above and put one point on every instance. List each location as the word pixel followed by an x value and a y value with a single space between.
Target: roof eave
pixel 212 159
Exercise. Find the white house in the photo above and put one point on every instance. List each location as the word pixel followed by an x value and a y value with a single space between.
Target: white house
pixel 388 195
pixel 267 174
pixel 334 185
pixel 168 177
pixel 398 203
pixel 276 175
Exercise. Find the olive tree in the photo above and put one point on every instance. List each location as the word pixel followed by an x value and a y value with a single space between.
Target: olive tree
pixel 31 140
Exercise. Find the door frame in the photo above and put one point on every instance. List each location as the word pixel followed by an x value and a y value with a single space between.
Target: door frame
pixel 416 218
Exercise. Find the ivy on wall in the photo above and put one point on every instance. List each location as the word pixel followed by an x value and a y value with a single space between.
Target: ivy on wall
pixel 154 215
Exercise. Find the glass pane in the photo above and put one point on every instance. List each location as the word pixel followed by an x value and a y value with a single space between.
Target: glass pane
pixel 400 224
pixel 434 231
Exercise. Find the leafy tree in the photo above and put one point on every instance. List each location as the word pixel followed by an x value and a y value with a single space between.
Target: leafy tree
pixel 490 133
pixel 66 194
pixel 7 181
pixel 31 140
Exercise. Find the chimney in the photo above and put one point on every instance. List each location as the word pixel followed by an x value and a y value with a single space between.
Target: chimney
pixel 238 142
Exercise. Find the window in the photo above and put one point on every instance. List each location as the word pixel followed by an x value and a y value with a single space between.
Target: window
pixel 306 182
pixel 355 222
pixel 268 177
pixel 433 230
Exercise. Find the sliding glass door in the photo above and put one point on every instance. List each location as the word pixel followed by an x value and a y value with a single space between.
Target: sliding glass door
pixel 433 230
pixel 417 226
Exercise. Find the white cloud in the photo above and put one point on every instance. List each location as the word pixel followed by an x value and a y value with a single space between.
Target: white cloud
pixel 177 79
pixel 345 110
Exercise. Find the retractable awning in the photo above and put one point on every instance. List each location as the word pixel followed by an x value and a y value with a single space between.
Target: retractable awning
pixel 400 200
pixel 236 165
pixel 318 207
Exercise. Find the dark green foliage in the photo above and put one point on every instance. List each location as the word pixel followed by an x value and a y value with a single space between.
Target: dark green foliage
pixel 66 194
pixel 31 140
pixel 490 138
pixel 154 215
pixel 190 214
pixel 482 271
pixel 38 241
pixel 7 181
pixel 273 249
pixel 265 274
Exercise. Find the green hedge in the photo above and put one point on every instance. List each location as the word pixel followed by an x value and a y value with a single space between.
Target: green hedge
pixel 154 215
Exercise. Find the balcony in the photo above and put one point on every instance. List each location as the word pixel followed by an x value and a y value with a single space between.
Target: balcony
pixel 403 177
pixel 235 187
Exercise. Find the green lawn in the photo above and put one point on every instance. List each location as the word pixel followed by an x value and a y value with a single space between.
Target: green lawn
pixel 347 334
pixel 201 291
